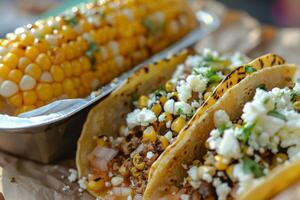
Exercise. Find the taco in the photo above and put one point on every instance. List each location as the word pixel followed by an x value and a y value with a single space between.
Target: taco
pixel 125 134
pixel 245 146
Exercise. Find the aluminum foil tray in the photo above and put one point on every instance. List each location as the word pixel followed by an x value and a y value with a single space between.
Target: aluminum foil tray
pixel 51 132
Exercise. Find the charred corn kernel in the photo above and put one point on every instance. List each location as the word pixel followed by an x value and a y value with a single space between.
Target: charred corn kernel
pixel 164 142
pixel 83 49
pixel 174 95
pixel 207 95
pixel 196 162
pixel 33 70
pixel 31 52
pixel 156 108
pixel 43 61
pixel 169 87
pixel 96 185
pixel 57 73
pixel 101 142
pixel 168 117
pixel 44 91
pixel 23 62
pixel 8 88
pixel 135 172
pixel 143 101
pixel 124 171
pixel 16 100
pixel 15 75
pixel 296 104
pixel 150 134
pixel 163 100
pixel 10 60
pixel 178 124
pixel 279 158
pixel 29 97
pixel 137 162
pixel 221 163
pixel 229 172
pixel 4 71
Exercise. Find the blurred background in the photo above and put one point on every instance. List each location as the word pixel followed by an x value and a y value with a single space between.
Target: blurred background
pixel 13 13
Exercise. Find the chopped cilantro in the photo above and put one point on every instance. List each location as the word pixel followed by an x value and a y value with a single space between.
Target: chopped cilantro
pixel 266 100
pixel 247 132
pixel 93 47
pixel 180 112
pixel 250 166
pixel 72 20
pixel 277 114
pixel 250 69
pixel 213 76
pixel 195 71
pixel 161 90
pixel 222 128
pixel 149 25
pixel 262 86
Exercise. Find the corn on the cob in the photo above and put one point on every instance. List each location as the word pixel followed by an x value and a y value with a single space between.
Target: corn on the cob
pixel 70 55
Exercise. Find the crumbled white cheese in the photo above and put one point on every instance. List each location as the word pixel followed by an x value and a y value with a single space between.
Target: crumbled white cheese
pixel 161 117
pixel 117 180
pixel 140 117
pixel 184 197
pixel 221 118
pixel 168 124
pixel 73 175
pixel 194 61
pixel 149 155
pixel 82 183
pixel 183 107
pixel 229 146
pixel 222 191
pixel 198 83
pixel 169 135
pixel 66 188
pixel 195 104
pixel 184 91
pixel 169 106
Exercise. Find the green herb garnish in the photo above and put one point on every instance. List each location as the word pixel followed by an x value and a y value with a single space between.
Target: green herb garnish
pixel 161 90
pixel 250 69
pixel 93 47
pixel 222 128
pixel 250 166
pixel 247 132
pixel 149 25
pixel 277 114
pixel 134 97
pixel 213 76
pixel 72 20
pixel 195 71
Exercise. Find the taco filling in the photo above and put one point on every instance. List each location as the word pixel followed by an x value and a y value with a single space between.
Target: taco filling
pixel 120 166
pixel 241 153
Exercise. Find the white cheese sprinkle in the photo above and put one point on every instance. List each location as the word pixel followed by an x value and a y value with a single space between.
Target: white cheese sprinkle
pixel 73 175
pixel 149 155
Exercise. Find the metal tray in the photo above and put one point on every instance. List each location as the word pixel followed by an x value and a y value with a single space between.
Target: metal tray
pixel 53 138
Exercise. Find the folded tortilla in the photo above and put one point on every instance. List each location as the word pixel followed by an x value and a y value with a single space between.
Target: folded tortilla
pixel 190 146
pixel 107 117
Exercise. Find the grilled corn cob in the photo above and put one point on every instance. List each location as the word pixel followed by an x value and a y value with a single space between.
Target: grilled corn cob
pixel 70 55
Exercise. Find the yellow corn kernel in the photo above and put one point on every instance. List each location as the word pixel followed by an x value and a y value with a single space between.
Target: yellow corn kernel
pixel 16 100
pixel 57 89
pixel 135 172
pixel 137 162
pixel 96 185
pixel 40 103
pixel 72 94
pixel 15 75
pixel 150 134
pixel 174 95
pixel 207 95
pixel 156 108
pixel 296 105
pixel 221 163
pixel 164 142
pixel 31 52
pixel 85 64
pixel 44 29
pixel 10 60
pixel 23 62
pixel 57 73
pixel 29 97
pixel 44 91
pixel 26 108
pixel 33 70
pixel 143 101
pixel 67 68
pixel 43 61
pixel 229 172
pixel 26 39
pixel 42 46
pixel 4 71
pixel 124 171
pixel 163 100
pixel 169 87
pixel 76 68
pixel 178 124
pixel 168 117
pixel 68 85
